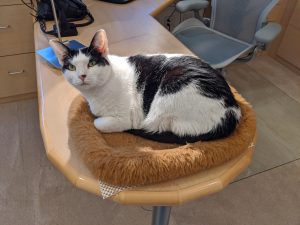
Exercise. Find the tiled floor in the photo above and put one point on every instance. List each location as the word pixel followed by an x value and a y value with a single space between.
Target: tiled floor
pixel 33 192
pixel 268 198
pixel 274 92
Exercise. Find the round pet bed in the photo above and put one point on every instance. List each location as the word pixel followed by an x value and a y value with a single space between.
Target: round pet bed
pixel 126 159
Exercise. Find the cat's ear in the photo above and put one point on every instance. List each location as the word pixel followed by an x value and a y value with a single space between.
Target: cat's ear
pixel 60 50
pixel 100 42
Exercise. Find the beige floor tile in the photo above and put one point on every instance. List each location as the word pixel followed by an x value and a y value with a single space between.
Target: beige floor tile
pixel 279 75
pixel 32 191
pixel 268 198
pixel 278 118
pixel 14 202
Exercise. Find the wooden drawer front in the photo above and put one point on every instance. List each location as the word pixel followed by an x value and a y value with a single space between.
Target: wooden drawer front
pixel 11 2
pixel 295 20
pixel 289 48
pixel 18 75
pixel 18 36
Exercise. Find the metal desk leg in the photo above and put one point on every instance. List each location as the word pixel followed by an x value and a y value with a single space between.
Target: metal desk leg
pixel 161 215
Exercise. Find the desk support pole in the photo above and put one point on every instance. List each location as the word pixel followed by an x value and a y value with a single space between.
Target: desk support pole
pixel 161 215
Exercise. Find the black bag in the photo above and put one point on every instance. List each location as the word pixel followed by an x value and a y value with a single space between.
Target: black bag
pixel 67 11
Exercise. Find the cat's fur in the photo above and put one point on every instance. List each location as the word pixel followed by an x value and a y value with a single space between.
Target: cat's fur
pixel 171 98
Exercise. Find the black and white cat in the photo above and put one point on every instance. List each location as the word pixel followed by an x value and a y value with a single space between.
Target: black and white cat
pixel 165 97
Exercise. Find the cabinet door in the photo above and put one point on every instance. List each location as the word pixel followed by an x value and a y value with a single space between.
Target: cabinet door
pixel 12 2
pixel 277 12
pixel 295 19
pixel 289 48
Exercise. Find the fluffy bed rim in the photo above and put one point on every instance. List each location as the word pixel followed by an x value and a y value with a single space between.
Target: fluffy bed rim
pixel 125 159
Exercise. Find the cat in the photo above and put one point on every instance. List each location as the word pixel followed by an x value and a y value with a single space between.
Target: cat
pixel 170 98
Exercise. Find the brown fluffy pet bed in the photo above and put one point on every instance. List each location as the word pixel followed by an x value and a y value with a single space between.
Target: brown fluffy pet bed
pixel 125 159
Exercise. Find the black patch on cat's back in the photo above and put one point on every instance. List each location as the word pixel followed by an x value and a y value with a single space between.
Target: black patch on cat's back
pixel 170 75
pixel 149 76
pixel 182 70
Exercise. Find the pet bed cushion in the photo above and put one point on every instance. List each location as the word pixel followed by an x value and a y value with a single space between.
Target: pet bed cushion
pixel 126 159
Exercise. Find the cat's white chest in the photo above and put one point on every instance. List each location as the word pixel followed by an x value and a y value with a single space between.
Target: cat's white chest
pixel 95 109
pixel 107 103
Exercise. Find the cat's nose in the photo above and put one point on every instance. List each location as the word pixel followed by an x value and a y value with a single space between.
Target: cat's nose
pixel 82 77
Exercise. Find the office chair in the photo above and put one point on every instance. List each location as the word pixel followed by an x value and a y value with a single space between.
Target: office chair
pixel 236 30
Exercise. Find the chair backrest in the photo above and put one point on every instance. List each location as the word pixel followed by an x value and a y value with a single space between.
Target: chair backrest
pixel 240 18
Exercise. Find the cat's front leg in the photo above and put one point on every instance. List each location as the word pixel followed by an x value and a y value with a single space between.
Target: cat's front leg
pixel 111 124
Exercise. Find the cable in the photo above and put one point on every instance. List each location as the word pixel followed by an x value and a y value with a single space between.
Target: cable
pixel 168 18
pixel 180 14
pixel 29 5
pixel 147 210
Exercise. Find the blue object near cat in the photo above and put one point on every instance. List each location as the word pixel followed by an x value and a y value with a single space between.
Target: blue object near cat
pixel 49 55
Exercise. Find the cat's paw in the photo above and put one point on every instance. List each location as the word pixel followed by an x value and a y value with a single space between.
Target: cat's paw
pixel 104 124
pixel 108 125
pixel 156 124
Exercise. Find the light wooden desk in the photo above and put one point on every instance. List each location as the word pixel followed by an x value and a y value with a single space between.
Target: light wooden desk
pixel 131 29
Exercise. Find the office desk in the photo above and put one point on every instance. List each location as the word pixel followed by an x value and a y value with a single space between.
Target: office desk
pixel 131 29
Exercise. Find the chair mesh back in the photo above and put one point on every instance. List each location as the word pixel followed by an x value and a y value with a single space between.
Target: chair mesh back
pixel 238 18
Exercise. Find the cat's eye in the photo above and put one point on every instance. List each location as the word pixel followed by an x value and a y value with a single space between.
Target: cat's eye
pixel 92 63
pixel 71 67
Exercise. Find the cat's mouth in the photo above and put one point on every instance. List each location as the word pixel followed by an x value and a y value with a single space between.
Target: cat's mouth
pixel 84 84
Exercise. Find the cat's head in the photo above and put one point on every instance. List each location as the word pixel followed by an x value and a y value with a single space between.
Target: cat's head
pixel 88 67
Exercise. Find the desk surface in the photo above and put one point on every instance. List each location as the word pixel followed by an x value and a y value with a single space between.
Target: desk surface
pixel 130 29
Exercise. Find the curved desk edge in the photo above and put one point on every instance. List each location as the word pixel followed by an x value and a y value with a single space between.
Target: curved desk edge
pixel 145 196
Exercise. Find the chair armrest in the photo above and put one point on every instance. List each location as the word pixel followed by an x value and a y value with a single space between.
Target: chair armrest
pixel 189 5
pixel 268 33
